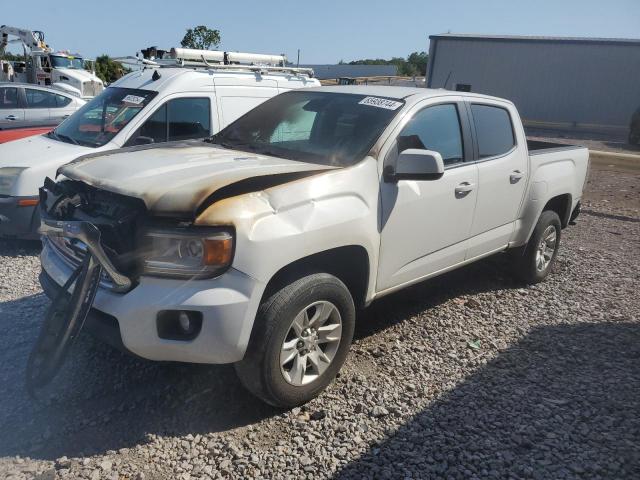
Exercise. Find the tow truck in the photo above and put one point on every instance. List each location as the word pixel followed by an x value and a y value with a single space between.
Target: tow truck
pixel 42 66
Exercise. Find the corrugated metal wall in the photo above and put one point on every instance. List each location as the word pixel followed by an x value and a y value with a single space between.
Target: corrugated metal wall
pixel 588 84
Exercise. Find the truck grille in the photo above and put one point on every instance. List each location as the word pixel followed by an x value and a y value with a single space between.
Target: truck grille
pixel 91 88
pixel 73 252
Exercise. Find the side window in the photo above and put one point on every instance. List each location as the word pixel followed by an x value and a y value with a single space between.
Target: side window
pixel 155 127
pixel 40 98
pixel 62 101
pixel 178 119
pixel 435 128
pixel 189 118
pixel 8 98
pixel 494 130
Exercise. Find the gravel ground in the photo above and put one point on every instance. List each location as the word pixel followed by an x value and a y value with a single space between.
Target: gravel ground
pixel 466 376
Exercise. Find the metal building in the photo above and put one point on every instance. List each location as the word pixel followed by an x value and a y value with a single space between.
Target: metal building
pixel 590 84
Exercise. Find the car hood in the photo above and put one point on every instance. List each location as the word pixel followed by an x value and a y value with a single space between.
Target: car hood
pixel 177 178
pixel 39 150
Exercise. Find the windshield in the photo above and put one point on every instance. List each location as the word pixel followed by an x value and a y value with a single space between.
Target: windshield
pixel 318 127
pixel 66 62
pixel 97 122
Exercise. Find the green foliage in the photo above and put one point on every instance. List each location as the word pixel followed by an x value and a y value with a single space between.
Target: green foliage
pixel 201 38
pixel 108 70
pixel 414 64
pixel 11 57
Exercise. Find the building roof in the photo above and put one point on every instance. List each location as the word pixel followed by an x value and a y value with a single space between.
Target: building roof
pixel 525 38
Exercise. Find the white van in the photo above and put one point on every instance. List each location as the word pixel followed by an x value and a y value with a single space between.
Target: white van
pixel 148 106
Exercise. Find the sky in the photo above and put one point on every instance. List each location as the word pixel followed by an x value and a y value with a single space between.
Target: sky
pixel 325 31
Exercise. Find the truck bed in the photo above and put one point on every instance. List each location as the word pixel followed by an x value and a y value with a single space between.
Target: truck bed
pixel 538 146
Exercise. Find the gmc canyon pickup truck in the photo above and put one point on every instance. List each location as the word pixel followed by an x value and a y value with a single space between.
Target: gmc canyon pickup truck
pixel 257 246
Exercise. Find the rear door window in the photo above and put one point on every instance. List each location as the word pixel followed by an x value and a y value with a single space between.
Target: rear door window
pixel 494 130
pixel 40 98
pixel 8 98
pixel 62 101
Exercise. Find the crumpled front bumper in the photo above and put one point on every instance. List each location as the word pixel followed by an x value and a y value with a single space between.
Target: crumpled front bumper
pixel 17 221
pixel 228 304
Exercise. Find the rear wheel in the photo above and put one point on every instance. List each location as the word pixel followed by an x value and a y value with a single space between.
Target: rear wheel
pixel 535 262
pixel 301 338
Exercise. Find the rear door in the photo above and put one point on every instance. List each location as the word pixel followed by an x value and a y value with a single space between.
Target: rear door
pixel 62 108
pixel 11 112
pixel 39 103
pixel 503 165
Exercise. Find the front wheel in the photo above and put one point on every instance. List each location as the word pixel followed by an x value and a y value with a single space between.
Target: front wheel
pixel 301 338
pixel 535 262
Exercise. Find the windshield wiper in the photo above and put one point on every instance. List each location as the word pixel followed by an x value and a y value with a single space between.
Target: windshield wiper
pixel 226 143
pixel 67 138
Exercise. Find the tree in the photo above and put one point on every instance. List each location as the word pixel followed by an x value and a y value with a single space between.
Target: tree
pixel 108 70
pixel 419 61
pixel 201 38
pixel 415 64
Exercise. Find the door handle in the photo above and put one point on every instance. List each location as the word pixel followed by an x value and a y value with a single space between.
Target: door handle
pixel 64 117
pixel 515 176
pixel 463 189
pixel 10 117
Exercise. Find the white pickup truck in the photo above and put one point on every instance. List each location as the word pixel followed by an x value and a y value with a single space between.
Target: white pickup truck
pixel 256 248
pixel 153 105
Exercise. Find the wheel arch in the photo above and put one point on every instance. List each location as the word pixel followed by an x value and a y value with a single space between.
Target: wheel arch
pixel 350 264
pixel 561 204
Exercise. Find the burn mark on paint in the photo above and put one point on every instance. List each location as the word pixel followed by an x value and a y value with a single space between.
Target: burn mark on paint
pixel 251 185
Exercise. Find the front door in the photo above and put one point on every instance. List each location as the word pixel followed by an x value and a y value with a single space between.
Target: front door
pixel 11 115
pixel 425 224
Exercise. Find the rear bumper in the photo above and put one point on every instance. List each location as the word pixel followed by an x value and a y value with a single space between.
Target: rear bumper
pixel 18 221
pixel 228 305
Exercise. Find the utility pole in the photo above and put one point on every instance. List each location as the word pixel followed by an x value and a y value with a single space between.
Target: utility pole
pixel 298 63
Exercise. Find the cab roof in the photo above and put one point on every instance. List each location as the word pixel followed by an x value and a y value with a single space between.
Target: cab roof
pixel 410 94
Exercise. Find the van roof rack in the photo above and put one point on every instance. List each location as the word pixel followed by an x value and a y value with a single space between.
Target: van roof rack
pixel 213 60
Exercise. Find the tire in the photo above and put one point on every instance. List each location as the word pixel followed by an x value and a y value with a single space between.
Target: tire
pixel 528 266
pixel 264 372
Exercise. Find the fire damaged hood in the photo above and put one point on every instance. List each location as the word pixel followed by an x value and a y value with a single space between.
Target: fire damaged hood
pixel 177 179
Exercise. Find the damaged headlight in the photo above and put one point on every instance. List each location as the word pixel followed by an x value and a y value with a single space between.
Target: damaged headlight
pixel 190 253
pixel 8 177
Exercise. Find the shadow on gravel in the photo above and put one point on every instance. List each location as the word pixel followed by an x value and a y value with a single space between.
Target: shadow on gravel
pixel 488 275
pixel 562 403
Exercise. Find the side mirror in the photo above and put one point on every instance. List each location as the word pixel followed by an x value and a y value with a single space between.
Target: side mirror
pixel 142 140
pixel 415 164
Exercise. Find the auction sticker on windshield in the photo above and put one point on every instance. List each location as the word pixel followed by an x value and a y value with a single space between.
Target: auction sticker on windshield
pixel 380 103
pixel 136 100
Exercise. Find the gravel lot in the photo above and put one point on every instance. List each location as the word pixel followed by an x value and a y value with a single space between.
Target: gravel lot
pixel 466 376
